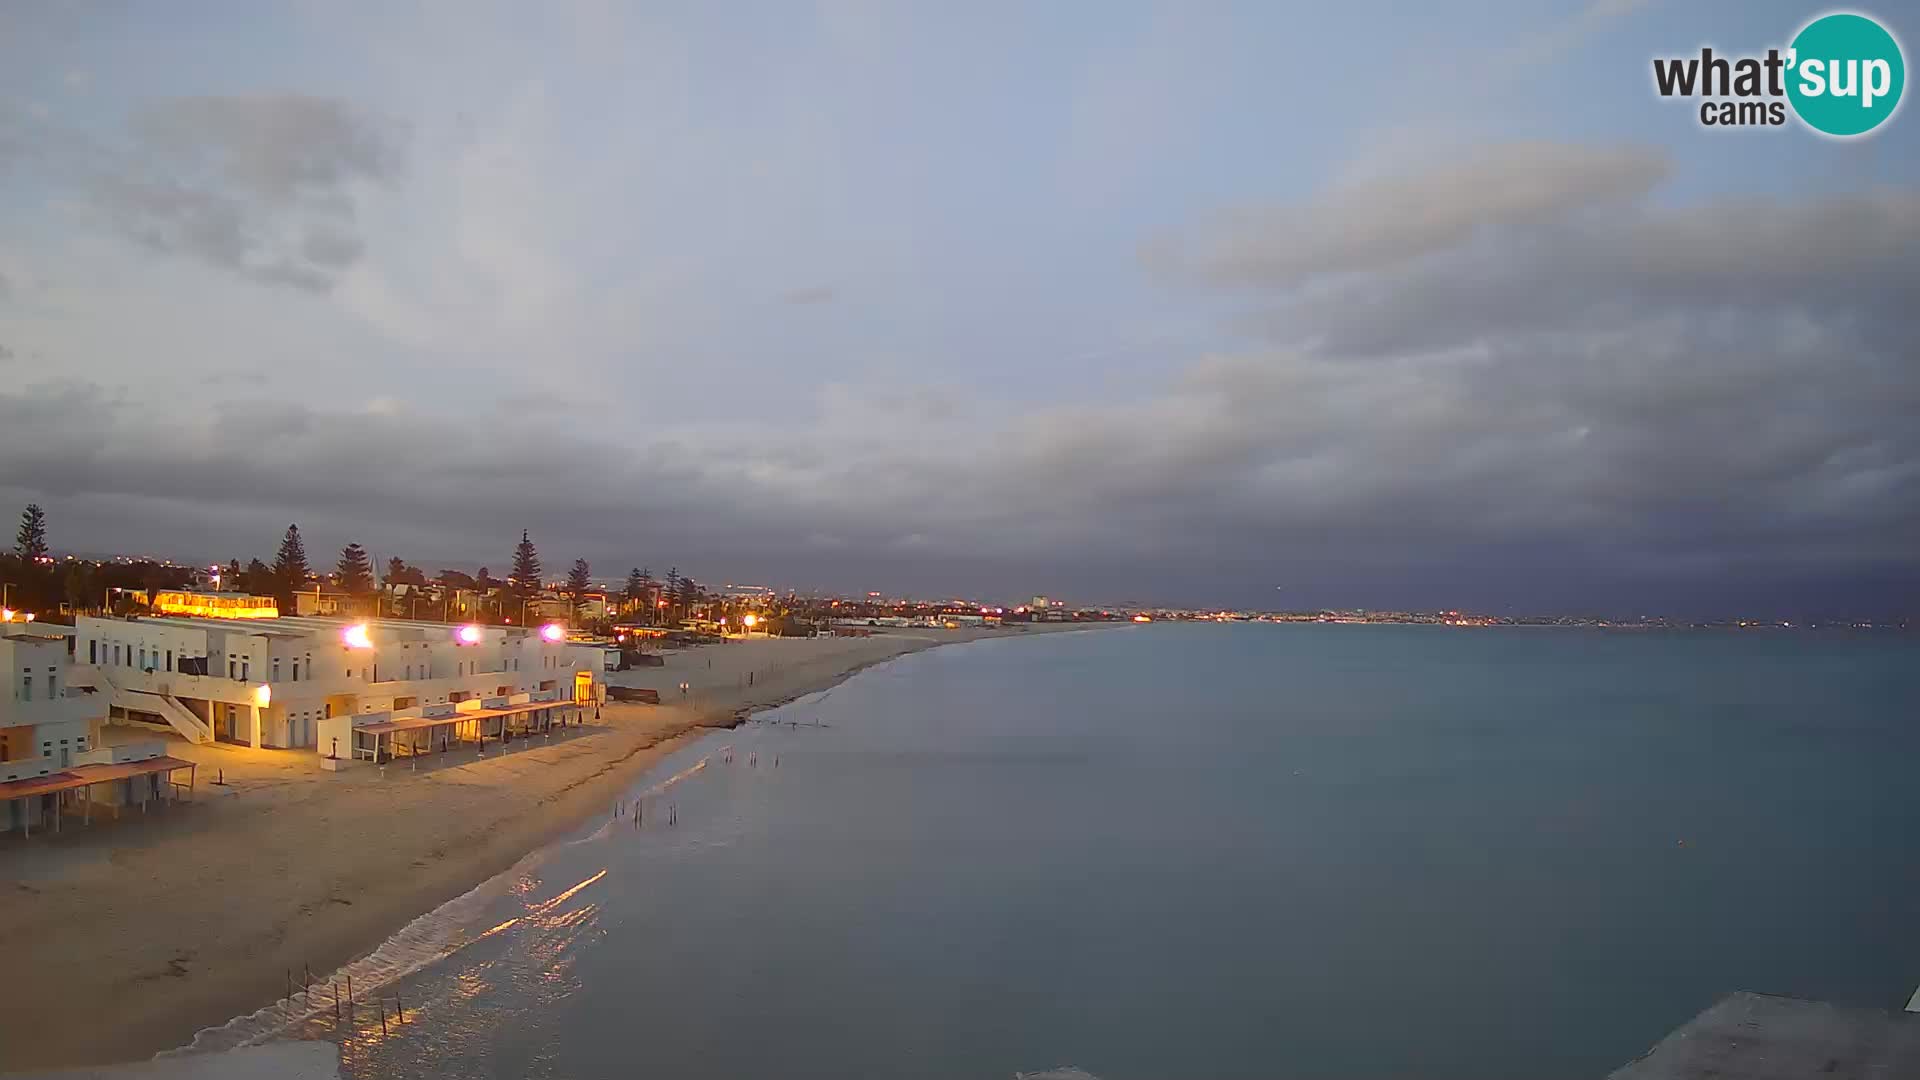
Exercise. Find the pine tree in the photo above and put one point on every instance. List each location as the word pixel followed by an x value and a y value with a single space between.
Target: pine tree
pixel 31 541
pixel 356 571
pixel 231 579
pixel 636 586
pixel 257 578
pixel 671 593
pixel 526 567
pixel 290 569
pixel 579 580
pixel 648 593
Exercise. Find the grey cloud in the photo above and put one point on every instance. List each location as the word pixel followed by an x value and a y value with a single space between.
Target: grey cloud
pixel 265 187
pixel 331 246
pixel 1840 257
pixel 813 294
pixel 1386 222
pixel 279 148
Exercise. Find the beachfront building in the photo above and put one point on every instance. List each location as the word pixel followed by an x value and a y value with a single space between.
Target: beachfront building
pixel 274 682
pixel 46 718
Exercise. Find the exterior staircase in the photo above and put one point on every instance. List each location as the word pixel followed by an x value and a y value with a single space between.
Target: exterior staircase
pixel 166 707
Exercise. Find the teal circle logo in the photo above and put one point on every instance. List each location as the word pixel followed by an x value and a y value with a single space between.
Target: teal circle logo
pixel 1846 74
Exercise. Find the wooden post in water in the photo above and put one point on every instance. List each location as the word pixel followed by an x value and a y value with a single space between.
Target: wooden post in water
pixel 336 1001
pixel 383 1019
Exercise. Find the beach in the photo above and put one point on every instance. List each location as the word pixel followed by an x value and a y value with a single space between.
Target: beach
pixel 125 938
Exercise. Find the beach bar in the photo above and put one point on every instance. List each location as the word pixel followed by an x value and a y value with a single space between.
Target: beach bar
pixel 40 798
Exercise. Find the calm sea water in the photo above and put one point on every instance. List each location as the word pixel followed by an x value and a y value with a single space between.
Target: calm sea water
pixel 1217 851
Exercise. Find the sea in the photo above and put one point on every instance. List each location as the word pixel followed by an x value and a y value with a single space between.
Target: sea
pixel 1202 851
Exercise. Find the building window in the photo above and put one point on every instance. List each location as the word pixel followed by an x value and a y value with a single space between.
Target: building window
pixel 276 669
pixel 296 671
pixel 245 666
pixel 143 658
pixel 169 659
pixel 93 651
pixel 116 656
pixel 26 688
pixel 233 668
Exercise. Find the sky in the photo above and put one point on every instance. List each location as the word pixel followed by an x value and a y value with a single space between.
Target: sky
pixel 1292 306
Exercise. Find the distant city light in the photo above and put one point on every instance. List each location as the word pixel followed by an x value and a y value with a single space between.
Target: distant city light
pixel 750 619
pixel 356 637
pixel 1142 618
pixel 553 631
pixel 469 634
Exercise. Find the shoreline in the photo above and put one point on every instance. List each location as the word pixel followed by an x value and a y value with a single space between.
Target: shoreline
pixel 138 935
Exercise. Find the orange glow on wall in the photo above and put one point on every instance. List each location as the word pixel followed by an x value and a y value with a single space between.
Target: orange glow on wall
pixel 215 605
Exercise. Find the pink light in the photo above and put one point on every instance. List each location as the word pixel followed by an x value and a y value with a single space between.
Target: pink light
pixel 553 631
pixel 356 637
pixel 469 634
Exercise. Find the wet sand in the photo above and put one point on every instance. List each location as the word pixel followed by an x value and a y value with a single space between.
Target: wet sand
pixel 125 938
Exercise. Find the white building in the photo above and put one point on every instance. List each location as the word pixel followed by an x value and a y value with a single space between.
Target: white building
pixel 270 682
pixel 46 718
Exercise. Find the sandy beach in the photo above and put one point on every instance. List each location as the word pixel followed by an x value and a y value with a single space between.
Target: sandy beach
pixel 125 938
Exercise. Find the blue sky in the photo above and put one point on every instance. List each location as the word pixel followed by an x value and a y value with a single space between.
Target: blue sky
pixel 797 254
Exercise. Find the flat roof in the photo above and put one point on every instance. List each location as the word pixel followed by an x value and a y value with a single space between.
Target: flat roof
pixel 414 723
pixel 80 776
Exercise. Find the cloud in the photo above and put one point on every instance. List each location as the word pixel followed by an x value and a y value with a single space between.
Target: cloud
pixel 813 294
pixel 1841 260
pixel 281 148
pixel 1382 223
pixel 265 186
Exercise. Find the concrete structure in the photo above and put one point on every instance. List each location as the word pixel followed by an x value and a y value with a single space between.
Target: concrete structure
pixel 1762 1037
pixel 44 712
pixel 272 682
pixel 320 603
pixel 48 721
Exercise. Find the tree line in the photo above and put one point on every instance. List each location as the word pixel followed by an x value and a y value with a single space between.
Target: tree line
pixel 34 581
